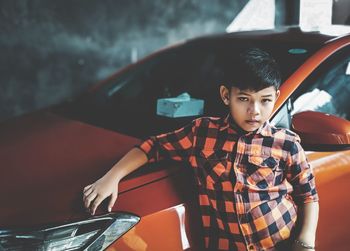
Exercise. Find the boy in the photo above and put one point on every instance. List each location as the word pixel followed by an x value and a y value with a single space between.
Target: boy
pixel 250 174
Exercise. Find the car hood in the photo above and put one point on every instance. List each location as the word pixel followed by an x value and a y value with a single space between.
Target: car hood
pixel 46 160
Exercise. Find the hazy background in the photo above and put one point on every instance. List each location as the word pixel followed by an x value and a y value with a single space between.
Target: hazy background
pixel 51 50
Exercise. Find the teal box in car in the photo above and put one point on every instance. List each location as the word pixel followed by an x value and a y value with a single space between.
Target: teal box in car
pixel 180 106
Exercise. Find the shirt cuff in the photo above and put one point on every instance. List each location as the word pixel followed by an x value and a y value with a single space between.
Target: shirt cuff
pixel 147 147
pixel 307 199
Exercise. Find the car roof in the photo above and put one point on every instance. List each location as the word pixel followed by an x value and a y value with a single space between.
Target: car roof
pixel 292 34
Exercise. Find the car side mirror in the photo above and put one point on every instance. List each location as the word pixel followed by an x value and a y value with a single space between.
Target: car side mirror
pixel 321 131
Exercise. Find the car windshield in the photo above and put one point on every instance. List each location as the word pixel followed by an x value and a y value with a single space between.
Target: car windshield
pixel 128 102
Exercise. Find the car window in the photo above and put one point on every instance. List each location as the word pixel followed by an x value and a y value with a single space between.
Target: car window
pixel 124 102
pixel 327 89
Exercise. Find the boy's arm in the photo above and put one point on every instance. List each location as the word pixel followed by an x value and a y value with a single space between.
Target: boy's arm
pixel 301 177
pixel 176 145
pixel 309 218
pixel 107 186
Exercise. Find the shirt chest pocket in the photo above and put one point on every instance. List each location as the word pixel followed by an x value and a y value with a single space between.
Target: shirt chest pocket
pixel 214 165
pixel 263 171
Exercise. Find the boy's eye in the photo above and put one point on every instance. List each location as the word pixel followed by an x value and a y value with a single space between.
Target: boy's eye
pixel 266 100
pixel 243 98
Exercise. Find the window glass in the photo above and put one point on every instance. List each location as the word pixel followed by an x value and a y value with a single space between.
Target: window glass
pixel 328 88
pixel 125 102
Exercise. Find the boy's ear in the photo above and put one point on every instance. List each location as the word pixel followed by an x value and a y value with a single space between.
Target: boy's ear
pixel 277 94
pixel 225 95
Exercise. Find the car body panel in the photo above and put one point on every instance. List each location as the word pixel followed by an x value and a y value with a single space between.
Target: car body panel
pixel 332 172
pixel 47 144
pixel 172 232
pixel 171 204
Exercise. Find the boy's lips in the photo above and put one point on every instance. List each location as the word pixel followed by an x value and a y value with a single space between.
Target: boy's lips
pixel 252 122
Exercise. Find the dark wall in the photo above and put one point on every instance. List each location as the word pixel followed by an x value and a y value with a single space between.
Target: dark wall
pixel 52 50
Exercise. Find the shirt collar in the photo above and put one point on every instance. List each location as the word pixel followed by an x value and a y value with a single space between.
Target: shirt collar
pixel 228 122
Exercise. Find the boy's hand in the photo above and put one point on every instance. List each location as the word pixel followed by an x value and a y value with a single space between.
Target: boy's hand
pixel 107 186
pixel 95 193
pixel 298 247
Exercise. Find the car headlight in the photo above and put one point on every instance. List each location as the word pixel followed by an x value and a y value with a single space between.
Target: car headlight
pixel 92 234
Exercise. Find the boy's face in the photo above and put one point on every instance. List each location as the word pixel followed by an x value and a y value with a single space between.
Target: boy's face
pixel 249 109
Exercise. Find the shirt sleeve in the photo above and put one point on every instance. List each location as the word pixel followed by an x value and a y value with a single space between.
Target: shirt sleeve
pixel 176 145
pixel 300 175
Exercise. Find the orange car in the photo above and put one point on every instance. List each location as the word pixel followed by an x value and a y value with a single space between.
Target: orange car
pixel 47 157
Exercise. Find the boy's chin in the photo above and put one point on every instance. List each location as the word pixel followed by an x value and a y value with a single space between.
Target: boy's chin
pixel 250 127
pixel 250 130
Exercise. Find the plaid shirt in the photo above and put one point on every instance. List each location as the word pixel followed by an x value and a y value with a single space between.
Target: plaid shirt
pixel 249 183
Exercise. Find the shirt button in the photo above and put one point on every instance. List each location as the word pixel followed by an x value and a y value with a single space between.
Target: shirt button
pixel 251 247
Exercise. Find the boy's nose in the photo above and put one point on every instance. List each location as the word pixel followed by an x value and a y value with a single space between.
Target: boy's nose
pixel 254 108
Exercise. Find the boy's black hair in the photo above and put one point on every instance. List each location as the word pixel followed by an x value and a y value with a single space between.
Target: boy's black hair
pixel 253 69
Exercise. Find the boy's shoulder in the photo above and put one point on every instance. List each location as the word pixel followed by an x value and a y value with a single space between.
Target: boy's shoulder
pixel 289 141
pixel 284 133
